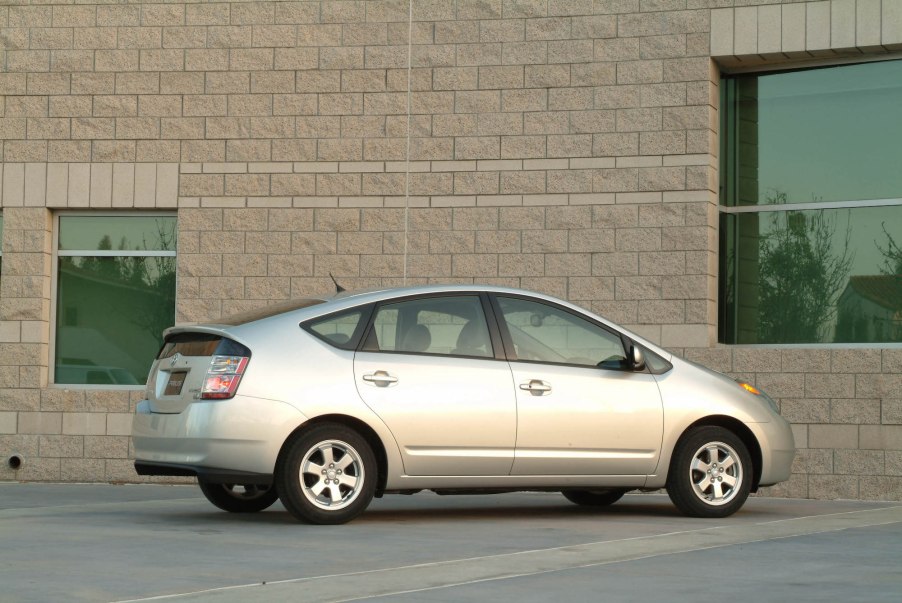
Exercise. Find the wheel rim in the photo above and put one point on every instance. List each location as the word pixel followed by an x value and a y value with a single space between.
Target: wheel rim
pixel 716 473
pixel 331 475
pixel 246 491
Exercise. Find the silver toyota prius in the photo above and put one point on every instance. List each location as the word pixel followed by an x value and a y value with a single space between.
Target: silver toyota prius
pixel 325 403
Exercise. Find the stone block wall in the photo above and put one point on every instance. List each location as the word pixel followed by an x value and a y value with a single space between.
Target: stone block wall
pixel 565 146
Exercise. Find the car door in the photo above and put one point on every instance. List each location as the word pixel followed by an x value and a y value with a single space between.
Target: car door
pixel 428 368
pixel 580 410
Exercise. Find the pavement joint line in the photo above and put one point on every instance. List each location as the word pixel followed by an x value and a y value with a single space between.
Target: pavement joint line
pixel 471 570
pixel 37 510
pixel 588 565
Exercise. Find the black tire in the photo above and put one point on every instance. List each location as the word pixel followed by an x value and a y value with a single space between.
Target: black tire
pixel 594 498
pixel 710 473
pixel 237 498
pixel 328 475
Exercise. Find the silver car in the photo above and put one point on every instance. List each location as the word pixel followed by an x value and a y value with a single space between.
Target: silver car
pixel 325 403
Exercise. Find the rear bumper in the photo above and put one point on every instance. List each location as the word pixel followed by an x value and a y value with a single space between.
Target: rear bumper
pixel 205 474
pixel 240 436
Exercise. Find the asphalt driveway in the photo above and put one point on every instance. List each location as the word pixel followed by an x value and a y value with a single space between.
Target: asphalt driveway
pixel 79 542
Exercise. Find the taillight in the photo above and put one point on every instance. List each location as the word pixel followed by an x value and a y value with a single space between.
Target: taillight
pixel 221 381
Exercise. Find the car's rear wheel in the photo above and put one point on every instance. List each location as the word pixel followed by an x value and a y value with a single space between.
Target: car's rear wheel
pixel 710 474
pixel 594 498
pixel 237 498
pixel 328 475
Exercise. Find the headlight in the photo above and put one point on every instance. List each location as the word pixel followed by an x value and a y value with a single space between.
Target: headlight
pixel 757 392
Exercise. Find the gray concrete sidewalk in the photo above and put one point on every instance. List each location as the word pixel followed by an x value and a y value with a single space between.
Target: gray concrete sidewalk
pixel 114 543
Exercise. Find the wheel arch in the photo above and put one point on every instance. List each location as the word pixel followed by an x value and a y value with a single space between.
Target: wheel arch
pixel 741 430
pixel 357 425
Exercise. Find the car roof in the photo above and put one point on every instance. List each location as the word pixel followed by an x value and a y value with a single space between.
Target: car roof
pixel 380 294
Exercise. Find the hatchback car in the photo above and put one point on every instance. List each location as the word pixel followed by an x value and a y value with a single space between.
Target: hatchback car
pixel 326 403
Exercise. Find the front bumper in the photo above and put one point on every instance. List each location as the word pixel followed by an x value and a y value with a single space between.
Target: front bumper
pixel 777 450
pixel 215 438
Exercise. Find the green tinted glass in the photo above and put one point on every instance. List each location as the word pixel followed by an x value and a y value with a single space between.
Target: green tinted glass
pixel 111 312
pixel 818 276
pixel 117 233
pixel 112 309
pixel 818 135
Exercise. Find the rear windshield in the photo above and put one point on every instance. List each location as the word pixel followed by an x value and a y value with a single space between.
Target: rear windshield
pixel 190 344
pixel 201 344
pixel 267 311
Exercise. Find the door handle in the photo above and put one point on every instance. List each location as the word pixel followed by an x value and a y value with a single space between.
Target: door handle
pixel 536 387
pixel 380 378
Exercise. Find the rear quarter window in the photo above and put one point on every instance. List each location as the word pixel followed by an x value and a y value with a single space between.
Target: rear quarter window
pixel 341 330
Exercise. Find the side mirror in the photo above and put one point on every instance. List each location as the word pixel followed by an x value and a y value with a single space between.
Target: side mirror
pixel 636 358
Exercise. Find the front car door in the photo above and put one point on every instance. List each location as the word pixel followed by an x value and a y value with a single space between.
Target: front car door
pixel 428 368
pixel 580 410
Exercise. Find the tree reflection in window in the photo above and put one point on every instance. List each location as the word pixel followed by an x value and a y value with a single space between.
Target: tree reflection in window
pixel 802 273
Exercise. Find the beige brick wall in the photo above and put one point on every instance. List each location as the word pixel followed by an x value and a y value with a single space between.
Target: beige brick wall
pixel 565 146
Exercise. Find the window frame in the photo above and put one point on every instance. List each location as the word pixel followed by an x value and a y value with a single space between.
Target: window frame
pixel 502 344
pixel 727 168
pixel 54 286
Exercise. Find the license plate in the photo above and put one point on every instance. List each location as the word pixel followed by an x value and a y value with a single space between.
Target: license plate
pixel 175 383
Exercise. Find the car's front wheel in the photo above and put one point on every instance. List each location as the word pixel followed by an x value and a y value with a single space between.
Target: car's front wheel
pixel 594 498
pixel 237 498
pixel 710 474
pixel 328 475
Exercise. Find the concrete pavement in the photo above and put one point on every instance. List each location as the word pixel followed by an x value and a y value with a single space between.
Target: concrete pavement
pixel 115 543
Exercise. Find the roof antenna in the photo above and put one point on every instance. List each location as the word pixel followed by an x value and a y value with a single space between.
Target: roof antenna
pixel 338 288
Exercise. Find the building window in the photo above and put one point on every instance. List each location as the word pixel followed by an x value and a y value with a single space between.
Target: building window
pixel 115 293
pixel 811 206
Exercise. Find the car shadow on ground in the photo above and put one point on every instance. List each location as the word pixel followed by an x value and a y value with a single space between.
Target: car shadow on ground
pixel 471 512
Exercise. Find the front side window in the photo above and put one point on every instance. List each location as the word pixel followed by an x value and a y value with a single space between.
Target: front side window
pixel 544 333
pixel 811 206
pixel 115 296
pixel 438 325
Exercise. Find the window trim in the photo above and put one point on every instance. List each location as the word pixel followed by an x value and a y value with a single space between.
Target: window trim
pixel 56 253
pixel 808 63
pixel 757 209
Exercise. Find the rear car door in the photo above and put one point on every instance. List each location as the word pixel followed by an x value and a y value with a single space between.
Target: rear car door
pixel 580 411
pixel 428 368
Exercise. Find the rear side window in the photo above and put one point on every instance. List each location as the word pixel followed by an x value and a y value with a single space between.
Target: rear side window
pixel 341 330
pixel 449 325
